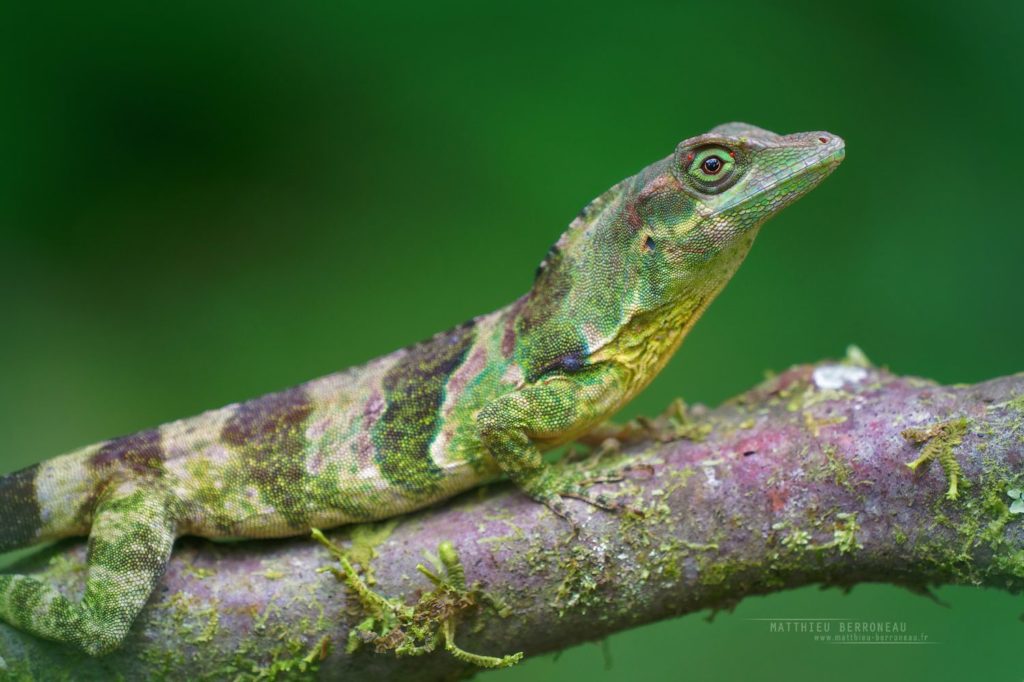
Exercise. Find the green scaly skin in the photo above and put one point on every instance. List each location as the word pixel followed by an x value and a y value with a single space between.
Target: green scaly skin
pixel 611 302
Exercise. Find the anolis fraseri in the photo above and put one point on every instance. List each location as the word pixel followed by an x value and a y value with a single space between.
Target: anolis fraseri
pixel 611 302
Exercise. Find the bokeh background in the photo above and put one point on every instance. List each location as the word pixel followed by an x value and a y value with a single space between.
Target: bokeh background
pixel 205 203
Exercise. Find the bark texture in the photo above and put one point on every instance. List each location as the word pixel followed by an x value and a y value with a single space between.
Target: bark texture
pixel 803 479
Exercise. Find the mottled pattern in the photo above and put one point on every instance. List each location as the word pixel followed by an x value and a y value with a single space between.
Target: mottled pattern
pixel 414 390
pixel 611 302
pixel 269 435
pixel 141 452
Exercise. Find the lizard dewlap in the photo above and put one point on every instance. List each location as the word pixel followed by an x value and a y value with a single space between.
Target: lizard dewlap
pixel 611 302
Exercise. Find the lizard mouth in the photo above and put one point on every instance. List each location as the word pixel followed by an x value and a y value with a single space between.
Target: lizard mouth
pixel 824 159
pixel 787 184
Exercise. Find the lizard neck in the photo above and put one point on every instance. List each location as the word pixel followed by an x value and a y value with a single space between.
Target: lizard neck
pixel 647 339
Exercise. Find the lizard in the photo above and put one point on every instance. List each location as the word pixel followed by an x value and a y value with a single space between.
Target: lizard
pixel 610 303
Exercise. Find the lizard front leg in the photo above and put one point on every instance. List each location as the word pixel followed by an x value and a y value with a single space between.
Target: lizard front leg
pixel 130 542
pixel 513 427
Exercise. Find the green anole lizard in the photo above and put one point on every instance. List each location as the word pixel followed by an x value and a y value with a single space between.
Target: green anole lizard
pixel 611 302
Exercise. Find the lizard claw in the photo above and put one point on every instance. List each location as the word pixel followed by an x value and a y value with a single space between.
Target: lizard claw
pixel 602 501
pixel 619 474
pixel 550 491
pixel 557 507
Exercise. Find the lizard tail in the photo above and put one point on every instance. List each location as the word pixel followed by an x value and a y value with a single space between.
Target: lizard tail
pixel 20 515
pixel 47 501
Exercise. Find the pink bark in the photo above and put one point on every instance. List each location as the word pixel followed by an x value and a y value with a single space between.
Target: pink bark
pixel 801 480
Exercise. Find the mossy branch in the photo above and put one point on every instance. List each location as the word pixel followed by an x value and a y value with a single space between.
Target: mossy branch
pixel 803 479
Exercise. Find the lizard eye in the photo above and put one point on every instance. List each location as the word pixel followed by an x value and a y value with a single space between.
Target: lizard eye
pixel 711 165
pixel 711 168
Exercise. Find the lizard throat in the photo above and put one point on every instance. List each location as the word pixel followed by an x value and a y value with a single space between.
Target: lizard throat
pixel 645 343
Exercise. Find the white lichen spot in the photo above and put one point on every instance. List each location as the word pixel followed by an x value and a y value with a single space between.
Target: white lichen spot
pixel 835 376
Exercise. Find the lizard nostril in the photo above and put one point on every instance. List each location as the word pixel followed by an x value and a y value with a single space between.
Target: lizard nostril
pixel 823 140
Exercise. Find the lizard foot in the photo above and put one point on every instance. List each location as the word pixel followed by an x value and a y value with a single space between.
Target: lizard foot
pixel 550 490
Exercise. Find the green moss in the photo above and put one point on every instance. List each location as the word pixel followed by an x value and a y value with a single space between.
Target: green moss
pixel 507 518
pixel 939 440
pixel 674 423
pixel 981 520
pixel 391 626
pixel 212 627
pixel 814 424
pixel 670 566
pixel 678 479
pixel 697 432
pixel 796 539
pixel 795 396
pixel 837 466
pixel 1016 404
pixel 366 537
pixel 198 572
pixel 300 665
pixel 856 357
pixel 898 536
pixel 724 578
pixel 582 578
pixel 716 573
pixel 844 534
pixel 1011 562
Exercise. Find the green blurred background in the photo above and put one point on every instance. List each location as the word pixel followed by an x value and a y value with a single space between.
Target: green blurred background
pixel 206 203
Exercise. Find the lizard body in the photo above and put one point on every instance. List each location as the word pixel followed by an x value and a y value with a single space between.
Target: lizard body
pixel 611 302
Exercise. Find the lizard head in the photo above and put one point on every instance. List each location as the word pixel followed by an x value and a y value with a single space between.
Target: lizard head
pixel 699 210
pixel 654 250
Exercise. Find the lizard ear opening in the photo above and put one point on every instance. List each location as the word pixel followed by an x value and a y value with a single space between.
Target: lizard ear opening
pixel 649 244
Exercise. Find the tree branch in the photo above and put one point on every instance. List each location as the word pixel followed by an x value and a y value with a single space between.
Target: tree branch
pixel 801 480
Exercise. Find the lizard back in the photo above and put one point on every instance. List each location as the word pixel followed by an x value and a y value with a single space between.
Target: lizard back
pixel 358 445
